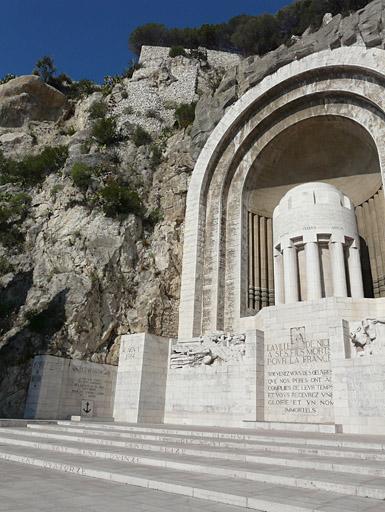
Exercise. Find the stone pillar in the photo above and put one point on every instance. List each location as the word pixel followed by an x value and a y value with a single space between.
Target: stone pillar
pixel 313 271
pixel 338 269
pixel 355 273
pixel 141 381
pixel 279 291
pixel 290 272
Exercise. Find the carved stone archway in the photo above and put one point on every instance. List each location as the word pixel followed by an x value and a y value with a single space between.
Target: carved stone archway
pixel 348 83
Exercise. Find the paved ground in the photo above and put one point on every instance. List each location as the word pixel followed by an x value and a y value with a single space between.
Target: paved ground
pixel 28 489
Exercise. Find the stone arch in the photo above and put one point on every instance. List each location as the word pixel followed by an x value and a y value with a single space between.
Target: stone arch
pixel 348 82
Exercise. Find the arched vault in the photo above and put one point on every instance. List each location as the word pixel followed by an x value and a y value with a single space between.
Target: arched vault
pixel 321 118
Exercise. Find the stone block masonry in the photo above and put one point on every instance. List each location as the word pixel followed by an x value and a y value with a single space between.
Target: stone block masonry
pixel 61 388
pixel 142 377
pixel 154 55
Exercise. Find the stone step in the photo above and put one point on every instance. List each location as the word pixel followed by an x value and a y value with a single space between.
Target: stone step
pixel 340 440
pixel 158 442
pixel 346 478
pixel 254 495
pixel 324 428
pixel 365 464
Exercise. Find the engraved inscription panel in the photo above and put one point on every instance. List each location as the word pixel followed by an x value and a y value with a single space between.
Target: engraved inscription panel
pixel 298 385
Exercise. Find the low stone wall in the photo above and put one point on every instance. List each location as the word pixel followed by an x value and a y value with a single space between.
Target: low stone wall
pixel 153 56
pixel 213 381
pixel 61 388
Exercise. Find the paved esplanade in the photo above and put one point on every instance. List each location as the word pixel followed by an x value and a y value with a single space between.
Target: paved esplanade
pixel 29 489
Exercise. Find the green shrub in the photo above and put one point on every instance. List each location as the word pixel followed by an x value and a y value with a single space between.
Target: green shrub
pixel 6 78
pixel 13 210
pixel 11 237
pixel 109 83
pixel 198 54
pixel 152 114
pixel 176 51
pixel 141 137
pixel 5 266
pixel 130 71
pixel 56 189
pixel 104 131
pixel 82 88
pixel 154 217
pixel 120 200
pixel 13 205
pixel 19 203
pixel 81 175
pixel 33 169
pixel 97 110
pixel 45 68
pixel 156 156
pixel 185 114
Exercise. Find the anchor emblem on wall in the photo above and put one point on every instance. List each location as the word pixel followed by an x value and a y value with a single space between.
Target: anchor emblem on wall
pixel 87 408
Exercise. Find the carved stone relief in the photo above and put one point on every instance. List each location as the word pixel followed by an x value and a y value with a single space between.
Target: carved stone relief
pixel 208 350
pixel 368 336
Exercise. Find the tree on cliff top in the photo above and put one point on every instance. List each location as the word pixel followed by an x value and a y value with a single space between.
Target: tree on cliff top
pixel 245 34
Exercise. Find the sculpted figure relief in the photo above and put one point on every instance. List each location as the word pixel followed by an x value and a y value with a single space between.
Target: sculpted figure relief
pixel 368 336
pixel 208 350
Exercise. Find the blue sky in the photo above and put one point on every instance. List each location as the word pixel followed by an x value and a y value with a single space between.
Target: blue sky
pixel 88 38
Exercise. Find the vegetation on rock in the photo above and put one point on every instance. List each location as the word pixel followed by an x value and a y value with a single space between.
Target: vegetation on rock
pixel 118 199
pixel 32 169
pixel 6 78
pixel 245 34
pixel 13 210
pixel 98 109
pixel 81 175
pixel 141 137
pixel 176 51
pixel 185 114
pixel 104 131
pixel 5 266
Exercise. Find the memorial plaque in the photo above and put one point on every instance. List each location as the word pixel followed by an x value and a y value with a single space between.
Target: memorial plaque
pixel 61 388
pixel 298 384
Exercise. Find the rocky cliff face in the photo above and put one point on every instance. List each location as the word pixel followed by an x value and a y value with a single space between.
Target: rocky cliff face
pixel 74 279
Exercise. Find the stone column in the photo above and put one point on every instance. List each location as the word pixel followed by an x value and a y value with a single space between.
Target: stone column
pixel 290 272
pixel 278 279
pixel 338 269
pixel 313 271
pixel 355 273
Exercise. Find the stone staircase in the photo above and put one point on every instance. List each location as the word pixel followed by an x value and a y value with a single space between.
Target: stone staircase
pixel 266 470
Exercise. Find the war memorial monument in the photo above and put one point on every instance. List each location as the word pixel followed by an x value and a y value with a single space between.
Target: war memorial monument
pixel 272 395
pixel 282 310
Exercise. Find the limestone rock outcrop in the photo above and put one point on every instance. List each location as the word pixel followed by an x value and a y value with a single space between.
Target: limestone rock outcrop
pixel 27 98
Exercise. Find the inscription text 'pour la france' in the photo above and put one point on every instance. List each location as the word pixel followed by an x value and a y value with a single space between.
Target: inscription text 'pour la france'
pixel 313 351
